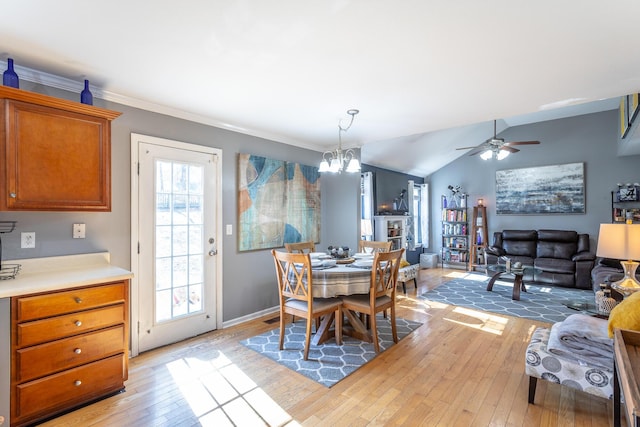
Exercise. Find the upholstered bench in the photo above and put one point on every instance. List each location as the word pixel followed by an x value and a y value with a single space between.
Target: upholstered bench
pixel 542 364
pixel 405 274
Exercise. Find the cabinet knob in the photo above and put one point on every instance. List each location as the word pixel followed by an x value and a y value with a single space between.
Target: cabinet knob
pixel 78 300
pixel 13 195
pixel 77 351
pixel 78 323
pixel 77 383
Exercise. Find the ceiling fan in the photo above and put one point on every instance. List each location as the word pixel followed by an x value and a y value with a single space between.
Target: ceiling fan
pixel 496 147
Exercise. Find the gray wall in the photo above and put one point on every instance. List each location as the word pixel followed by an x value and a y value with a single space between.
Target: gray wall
pixel 248 277
pixel 590 139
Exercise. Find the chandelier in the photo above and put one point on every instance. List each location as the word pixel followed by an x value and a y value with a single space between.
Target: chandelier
pixel 494 153
pixel 337 160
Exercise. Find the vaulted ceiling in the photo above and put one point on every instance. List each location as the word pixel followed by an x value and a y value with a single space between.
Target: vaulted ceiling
pixel 428 76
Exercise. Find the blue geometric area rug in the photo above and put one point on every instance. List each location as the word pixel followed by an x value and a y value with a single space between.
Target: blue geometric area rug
pixel 540 302
pixel 328 362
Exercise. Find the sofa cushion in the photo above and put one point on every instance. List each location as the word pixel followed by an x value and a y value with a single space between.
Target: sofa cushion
pixel 555 265
pixel 608 262
pixel 525 260
pixel 556 279
pixel 519 242
pixel 557 244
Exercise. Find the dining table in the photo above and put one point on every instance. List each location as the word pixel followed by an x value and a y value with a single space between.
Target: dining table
pixel 341 279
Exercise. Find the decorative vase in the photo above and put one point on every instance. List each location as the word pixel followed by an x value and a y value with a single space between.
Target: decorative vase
pixel 599 296
pixel 85 96
pixel 608 302
pixel 10 78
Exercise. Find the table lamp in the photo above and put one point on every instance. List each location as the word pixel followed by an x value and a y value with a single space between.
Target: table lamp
pixel 621 241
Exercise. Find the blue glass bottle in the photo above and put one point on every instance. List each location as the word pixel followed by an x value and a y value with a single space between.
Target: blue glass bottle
pixel 10 78
pixel 86 97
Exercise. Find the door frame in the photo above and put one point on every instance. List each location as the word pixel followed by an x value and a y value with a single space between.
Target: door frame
pixel 135 232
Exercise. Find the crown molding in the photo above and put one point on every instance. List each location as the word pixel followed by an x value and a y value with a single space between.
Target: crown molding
pixel 58 82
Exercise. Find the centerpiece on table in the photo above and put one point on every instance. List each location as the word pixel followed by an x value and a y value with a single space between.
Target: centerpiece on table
pixel 339 252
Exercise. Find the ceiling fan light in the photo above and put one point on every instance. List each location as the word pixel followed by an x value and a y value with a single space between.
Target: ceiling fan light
pixel 486 155
pixel 502 154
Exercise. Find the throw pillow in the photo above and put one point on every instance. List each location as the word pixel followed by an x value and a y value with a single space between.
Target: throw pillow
pixel 404 263
pixel 626 315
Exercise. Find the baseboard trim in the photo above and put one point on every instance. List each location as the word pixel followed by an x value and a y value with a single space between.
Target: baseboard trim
pixel 250 317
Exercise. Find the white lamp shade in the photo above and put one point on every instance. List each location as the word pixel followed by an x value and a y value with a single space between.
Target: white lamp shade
pixel 486 155
pixel 502 154
pixel 335 165
pixel 353 166
pixel 324 166
pixel 619 241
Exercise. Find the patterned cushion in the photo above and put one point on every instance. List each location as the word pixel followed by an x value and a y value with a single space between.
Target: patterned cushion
pixel 540 364
pixel 408 273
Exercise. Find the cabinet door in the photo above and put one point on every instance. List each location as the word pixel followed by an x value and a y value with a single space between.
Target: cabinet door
pixel 55 160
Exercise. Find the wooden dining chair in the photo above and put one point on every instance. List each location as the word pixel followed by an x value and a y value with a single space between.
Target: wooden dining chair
pixel 374 246
pixel 295 289
pixel 382 293
pixel 300 247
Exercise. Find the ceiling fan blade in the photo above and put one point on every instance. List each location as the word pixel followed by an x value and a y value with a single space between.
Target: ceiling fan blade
pixel 522 143
pixel 509 149
pixel 467 148
pixel 477 150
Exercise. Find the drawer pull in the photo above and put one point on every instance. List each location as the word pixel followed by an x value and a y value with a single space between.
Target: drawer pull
pixel 77 383
pixel 77 351
pixel 78 323
pixel 78 300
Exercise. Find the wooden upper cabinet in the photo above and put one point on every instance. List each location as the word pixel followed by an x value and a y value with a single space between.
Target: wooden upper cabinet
pixel 56 154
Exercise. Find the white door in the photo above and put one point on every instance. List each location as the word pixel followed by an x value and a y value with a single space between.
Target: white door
pixel 177 252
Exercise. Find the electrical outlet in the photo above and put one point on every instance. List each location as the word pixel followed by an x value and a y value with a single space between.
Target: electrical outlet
pixel 28 240
pixel 78 231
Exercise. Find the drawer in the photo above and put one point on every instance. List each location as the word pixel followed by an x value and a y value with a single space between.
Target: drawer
pixel 40 331
pixel 58 392
pixel 56 303
pixel 44 359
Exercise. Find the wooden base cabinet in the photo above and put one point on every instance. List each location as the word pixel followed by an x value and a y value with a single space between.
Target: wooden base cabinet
pixel 69 347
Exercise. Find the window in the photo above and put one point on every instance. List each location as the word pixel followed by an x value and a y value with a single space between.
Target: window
pixel 419 213
pixel 366 206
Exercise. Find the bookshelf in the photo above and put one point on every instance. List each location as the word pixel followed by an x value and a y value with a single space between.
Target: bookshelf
pixel 391 228
pixel 479 237
pixel 455 235
pixel 623 210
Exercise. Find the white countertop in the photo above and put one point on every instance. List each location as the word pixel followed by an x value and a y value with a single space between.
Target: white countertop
pixel 60 272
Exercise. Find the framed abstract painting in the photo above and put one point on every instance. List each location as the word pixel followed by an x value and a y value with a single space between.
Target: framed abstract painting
pixel 278 203
pixel 555 189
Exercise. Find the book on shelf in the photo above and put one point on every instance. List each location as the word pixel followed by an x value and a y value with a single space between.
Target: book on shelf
pixel 452 215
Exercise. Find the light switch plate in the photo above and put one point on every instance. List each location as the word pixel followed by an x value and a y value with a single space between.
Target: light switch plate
pixel 28 240
pixel 229 229
pixel 78 231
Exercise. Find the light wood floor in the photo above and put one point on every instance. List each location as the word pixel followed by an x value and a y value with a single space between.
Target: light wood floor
pixel 460 368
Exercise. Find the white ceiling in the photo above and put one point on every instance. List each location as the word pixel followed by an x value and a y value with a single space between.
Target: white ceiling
pixel 288 70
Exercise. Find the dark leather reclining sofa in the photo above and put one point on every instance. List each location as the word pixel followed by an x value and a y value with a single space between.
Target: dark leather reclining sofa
pixel 563 257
